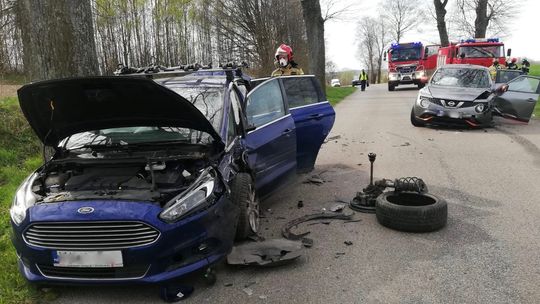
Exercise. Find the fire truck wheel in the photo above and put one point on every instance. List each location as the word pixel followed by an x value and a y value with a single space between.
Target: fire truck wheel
pixel 411 212
pixel 391 87
pixel 415 122
pixel 421 85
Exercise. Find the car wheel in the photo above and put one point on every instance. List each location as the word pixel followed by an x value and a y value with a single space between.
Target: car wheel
pixel 415 122
pixel 411 212
pixel 244 196
pixel 391 87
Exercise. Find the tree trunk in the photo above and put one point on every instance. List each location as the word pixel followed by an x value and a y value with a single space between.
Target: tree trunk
pixel 440 11
pixel 58 38
pixel 482 20
pixel 315 38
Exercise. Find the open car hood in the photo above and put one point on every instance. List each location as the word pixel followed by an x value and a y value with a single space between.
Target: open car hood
pixel 57 109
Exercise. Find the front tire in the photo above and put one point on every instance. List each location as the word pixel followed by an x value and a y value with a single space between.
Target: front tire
pixel 243 195
pixel 391 87
pixel 415 122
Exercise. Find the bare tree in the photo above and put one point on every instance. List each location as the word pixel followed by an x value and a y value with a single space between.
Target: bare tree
pixel 401 16
pixel 58 38
pixel 373 38
pixel 315 38
pixel 490 17
pixel 440 12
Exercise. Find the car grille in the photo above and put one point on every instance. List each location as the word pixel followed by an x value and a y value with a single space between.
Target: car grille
pixel 453 103
pixel 132 272
pixel 406 69
pixel 90 235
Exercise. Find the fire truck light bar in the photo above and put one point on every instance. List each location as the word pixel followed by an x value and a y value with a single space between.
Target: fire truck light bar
pixel 473 40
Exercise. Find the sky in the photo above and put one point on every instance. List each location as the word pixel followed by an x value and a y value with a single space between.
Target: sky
pixel 342 45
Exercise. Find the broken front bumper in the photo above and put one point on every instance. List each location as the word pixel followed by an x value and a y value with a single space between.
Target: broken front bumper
pixel 468 116
pixel 178 249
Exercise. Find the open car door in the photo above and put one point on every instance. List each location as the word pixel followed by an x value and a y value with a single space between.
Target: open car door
pixel 271 137
pixel 519 101
pixel 313 116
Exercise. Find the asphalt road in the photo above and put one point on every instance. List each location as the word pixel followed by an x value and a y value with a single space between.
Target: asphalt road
pixel 488 253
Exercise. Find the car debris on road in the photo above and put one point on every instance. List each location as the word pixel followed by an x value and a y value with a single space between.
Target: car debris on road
pixel 267 253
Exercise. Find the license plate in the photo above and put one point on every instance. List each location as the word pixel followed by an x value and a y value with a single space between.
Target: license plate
pixel 454 115
pixel 88 258
pixel 440 113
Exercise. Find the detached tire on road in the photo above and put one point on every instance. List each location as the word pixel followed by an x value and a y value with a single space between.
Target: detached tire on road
pixel 411 212
pixel 244 196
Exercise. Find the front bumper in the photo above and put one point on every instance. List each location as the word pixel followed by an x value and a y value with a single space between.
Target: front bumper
pixel 407 78
pixel 440 115
pixel 191 244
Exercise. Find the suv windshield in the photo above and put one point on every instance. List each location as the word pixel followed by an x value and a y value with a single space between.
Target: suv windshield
pixel 405 54
pixel 135 135
pixel 469 78
pixel 482 51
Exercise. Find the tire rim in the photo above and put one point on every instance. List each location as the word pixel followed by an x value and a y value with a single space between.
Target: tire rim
pixel 253 211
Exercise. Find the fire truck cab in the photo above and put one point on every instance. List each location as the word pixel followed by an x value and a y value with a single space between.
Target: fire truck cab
pixel 479 51
pixel 410 63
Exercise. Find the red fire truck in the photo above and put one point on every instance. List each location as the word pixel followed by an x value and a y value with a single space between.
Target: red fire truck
pixel 480 51
pixel 410 63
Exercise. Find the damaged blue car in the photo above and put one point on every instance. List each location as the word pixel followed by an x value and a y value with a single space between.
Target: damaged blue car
pixel 153 177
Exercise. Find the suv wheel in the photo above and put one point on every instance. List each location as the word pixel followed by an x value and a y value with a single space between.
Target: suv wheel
pixel 244 196
pixel 415 122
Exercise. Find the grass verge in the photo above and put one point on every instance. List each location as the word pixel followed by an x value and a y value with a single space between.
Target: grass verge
pixel 335 95
pixel 19 155
pixel 534 70
pixel 13 78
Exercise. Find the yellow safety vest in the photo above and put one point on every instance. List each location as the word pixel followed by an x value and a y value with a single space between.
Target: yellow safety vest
pixel 363 76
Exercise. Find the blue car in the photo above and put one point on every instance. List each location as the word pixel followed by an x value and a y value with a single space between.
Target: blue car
pixel 154 177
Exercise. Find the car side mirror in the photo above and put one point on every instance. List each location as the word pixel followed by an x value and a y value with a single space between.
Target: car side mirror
pixel 462 55
pixel 384 56
pixel 509 52
pixel 250 128
pixel 501 89
pixel 426 51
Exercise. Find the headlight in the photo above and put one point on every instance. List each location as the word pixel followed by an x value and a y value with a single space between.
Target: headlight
pixel 479 108
pixel 393 76
pixel 24 198
pixel 420 74
pixel 198 195
pixel 423 101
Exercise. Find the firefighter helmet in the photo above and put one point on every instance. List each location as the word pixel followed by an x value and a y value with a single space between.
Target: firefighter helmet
pixel 514 60
pixel 284 50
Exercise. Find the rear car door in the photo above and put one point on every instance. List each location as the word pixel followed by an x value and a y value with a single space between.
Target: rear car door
pixel 519 101
pixel 271 137
pixel 312 114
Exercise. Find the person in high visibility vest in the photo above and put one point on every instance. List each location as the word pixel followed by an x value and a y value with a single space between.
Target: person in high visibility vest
pixel 364 80
pixel 493 68
pixel 285 63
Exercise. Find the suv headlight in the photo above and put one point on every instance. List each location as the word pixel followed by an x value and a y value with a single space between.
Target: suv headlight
pixel 199 195
pixel 423 101
pixel 24 198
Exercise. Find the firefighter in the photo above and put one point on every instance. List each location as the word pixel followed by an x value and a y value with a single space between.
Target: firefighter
pixel 285 63
pixel 512 64
pixel 493 68
pixel 525 65
pixel 363 80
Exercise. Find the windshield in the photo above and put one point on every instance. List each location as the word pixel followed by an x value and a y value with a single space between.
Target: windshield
pixel 207 99
pixel 482 51
pixel 135 135
pixel 468 78
pixel 405 54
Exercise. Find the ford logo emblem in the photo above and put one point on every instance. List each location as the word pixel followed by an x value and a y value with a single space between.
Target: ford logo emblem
pixel 85 210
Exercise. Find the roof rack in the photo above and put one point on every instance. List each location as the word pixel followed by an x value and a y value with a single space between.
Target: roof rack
pixel 231 69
